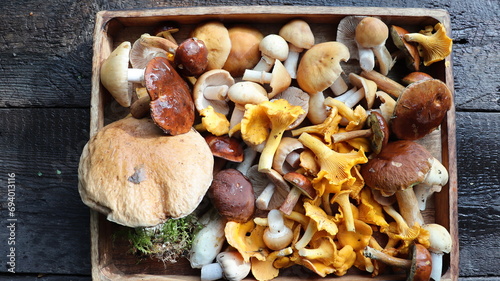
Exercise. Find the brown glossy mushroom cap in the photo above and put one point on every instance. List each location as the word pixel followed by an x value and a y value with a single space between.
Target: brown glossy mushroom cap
pixel 172 107
pixel 400 165
pixel 232 195
pixel 191 57
pixel 420 109
pixel 225 147
pixel 415 76
pixel 421 265
pixel 409 50
pixel 137 176
pixel 380 131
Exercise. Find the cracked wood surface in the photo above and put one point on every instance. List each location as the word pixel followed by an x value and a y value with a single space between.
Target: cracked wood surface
pixel 45 70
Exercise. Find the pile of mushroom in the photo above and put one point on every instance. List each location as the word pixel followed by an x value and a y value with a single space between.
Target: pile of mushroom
pixel 313 171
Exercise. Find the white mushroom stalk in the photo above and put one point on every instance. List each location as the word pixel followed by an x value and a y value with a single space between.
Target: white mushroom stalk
pixel 433 182
pixel 440 243
pixel 272 47
pixel 209 240
pixel 262 202
pixel 218 92
pixel 230 266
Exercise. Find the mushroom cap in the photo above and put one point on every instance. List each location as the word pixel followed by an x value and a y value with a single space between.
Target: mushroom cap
pixel 232 195
pixel 400 165
pixel 301 182
pixel 214 77
pixel 114 74
pixel 421 266
pixel 225 147
pixel 408 49
pixel 191 57
pixel 420 109
pixel 369 87
pixel 137 176
pixel 247 92
pixel 280 80
pixel 298 33
pixel 295 96
pixel 274 46
pixel 320 66
pixel 380 131
pixel 414 77
pixel 172 107
pixel 216 38
pixel 371 32
pixel 346 31
pixel 165 26
pixel 440 239
pixel 244 52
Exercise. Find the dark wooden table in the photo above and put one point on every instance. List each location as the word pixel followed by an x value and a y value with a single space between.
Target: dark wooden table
pixel 45 71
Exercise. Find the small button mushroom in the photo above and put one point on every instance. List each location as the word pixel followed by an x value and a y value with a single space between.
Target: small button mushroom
pixel 279 79
pixel 277 235
pixel 418 265
pixel 230 266
pixel 191 57
pixel 244 52
pixel 272 47
pixel 371 34
pixel 420 108
pixel 299 36
pixel 232 195
pixel 301 185
pixel 211 89
pixel 440 243
pixel 216 38
pixel 433 47
pixel 314 77
pixel 408 49
pixel 243 93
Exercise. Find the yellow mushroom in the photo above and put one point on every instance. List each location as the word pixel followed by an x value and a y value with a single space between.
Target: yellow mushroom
pixel 432 47
pixel 213 122
pixel 335 168
pixel 326 129
pixel 356 117
pixel 370 211
pixel 280 114
pixel 358 240
pixel 264 270
pixel 247 239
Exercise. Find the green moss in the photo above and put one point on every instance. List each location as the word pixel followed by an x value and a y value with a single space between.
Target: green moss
pixel 168 241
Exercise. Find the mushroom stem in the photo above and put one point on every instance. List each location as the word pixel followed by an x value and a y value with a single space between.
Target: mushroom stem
pixel 291 200
pixel 384 58
pixel 354 98
pixel 437 265
pixel 264 64
pixel 386 258
pixel 248 157
pixel 307 236
pixel 366 58
pixel 344 136
pixel 408 206
pixel 345 96
pixel 264 198
pixel 384 83
pixel 292 61
pixel 135 75
pixel 317 110
pixel 218 92
pixel 339 86
pixel 262 77
pixel 342 198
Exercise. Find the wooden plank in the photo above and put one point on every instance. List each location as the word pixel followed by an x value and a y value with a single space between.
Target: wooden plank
pixel 42 148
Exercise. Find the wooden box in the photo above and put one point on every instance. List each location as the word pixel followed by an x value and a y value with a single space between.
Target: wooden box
pixel 110 259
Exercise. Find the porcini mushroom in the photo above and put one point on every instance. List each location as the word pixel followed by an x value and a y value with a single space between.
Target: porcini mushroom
pixel 395 170
pixel 318 69
pixel 232 195
pixel 418 265
pixel 299 36
pixel 440 243
pixel 371 34
pixel 420 107
pixel 118 172
pixel 191 57
pixel 434 47
pixel 225 147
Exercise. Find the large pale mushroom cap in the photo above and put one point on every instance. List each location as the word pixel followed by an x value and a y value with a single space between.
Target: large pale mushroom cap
pixel 216 38
pixel 114 74
pixel 138 176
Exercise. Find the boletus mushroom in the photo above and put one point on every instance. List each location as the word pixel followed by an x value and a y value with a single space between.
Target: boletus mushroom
pixel 418 264
pixel 420 107
pixel 118 173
